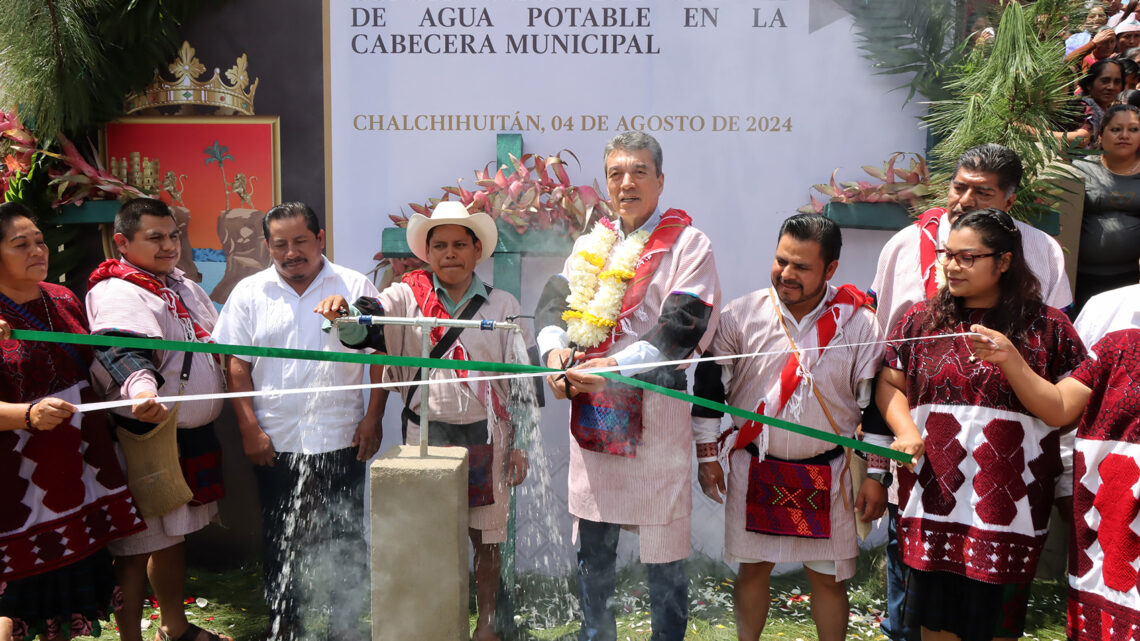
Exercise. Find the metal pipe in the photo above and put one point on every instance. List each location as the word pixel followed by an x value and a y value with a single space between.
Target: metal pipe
pixel 426 322
pixel 425 392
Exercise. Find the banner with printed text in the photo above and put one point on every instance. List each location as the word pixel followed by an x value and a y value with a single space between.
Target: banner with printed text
pixel 753 102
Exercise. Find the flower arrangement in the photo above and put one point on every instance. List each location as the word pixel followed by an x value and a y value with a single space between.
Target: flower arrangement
pixel 536 195
pixel 596 293
pixel 71 179
pixel 908 186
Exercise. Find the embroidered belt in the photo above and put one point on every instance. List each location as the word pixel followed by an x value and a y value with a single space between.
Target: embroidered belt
pixel 818 459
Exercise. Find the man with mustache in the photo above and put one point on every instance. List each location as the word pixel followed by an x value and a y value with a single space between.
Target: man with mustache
pixel 145 295
pixel 309 451
pixel 986 176
pixel 795 326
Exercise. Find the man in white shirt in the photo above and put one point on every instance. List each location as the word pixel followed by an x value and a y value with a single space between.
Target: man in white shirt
pixel 309 450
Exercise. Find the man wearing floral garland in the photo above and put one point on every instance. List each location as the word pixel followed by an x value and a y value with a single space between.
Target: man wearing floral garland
pixel 792 329
pixel 636 291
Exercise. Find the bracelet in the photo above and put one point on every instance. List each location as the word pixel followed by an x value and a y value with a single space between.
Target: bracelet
pixel 28 416
pixel 706 450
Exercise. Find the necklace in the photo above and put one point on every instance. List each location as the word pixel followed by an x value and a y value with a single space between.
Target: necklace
pixel 1126 171
pixel 595 294
pixel 47 310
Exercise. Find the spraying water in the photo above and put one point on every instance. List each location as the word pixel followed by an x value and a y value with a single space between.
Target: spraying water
pixel 320 552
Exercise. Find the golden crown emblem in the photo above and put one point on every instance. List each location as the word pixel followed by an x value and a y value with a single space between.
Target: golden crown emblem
pixel 186 90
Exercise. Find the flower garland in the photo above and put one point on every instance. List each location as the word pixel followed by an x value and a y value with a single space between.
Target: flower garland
pixel 596 294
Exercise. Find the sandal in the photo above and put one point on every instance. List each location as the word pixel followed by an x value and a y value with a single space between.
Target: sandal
pixel 191 634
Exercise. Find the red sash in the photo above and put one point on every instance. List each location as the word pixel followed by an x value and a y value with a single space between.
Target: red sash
pixel 841 308
pixel 928 248
pixel 673 222
pixel 112 268
pixel 428 301
pixel 610 422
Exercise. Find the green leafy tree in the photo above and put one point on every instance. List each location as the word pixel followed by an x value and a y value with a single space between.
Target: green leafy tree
pixel 220 154
pixel 69 63
pixel 1013 91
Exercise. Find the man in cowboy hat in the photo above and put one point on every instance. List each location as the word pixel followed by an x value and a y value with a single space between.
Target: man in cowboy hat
pixel 452 241
pixel 308 450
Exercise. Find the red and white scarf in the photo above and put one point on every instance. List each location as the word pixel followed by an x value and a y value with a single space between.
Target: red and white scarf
pixel 927 225
pixel 423 289
pixel 838 309
pixel 112 268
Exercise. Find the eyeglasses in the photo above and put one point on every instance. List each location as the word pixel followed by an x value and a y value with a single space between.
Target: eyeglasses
pixel 963 258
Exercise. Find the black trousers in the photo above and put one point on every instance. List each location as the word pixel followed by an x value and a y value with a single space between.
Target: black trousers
pixel 315 558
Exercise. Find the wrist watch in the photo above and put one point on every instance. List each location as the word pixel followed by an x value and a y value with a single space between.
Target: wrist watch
pixel 884 478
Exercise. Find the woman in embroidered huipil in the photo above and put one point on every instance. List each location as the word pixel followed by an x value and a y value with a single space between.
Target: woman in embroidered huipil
pixel 975 508
pixel 64 495
pixel 1104 394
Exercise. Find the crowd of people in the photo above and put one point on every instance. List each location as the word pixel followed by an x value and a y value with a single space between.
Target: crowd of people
pixel 1107 50
pixel 961 357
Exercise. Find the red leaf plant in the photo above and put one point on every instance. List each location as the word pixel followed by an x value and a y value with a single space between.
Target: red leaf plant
pixel 907 187
pixel 73 178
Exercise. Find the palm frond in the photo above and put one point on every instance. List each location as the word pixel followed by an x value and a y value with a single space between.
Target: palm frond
pixel 909 36
pixel 68 64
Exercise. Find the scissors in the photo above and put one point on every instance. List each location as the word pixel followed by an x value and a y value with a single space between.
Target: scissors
pixel 566 364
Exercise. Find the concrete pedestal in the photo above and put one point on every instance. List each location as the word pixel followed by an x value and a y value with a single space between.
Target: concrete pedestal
pixel 419 545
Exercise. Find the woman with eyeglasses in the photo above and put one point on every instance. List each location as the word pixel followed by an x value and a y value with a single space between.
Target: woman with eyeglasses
pixel 1110 227
pixel 974 508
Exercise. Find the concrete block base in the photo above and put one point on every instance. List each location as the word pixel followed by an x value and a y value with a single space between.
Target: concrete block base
pixel 419 545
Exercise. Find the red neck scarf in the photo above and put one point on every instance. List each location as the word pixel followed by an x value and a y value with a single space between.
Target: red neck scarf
pixel 112 268
pixel 927 225
pixel 837 311
pixel 673 222
pixel 423 288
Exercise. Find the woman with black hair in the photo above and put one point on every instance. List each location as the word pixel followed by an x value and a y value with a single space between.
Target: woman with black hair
pixel 1099 88
pixel 1131 72
pixel 975 508
pixel 1110 226
pixel 63 496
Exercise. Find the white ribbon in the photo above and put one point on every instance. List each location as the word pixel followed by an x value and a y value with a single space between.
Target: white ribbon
pixel 105 405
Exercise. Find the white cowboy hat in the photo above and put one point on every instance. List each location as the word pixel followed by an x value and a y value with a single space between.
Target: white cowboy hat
pixel 450 212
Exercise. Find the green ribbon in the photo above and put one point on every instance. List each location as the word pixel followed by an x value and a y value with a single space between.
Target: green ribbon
pixel 435 363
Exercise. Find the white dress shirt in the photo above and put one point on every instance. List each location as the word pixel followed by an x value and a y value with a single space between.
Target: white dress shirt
pixel 265 311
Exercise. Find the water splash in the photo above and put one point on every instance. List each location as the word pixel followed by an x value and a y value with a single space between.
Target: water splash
pixel 320 549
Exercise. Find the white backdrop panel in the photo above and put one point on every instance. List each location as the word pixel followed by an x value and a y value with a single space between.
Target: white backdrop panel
pixel 405 122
